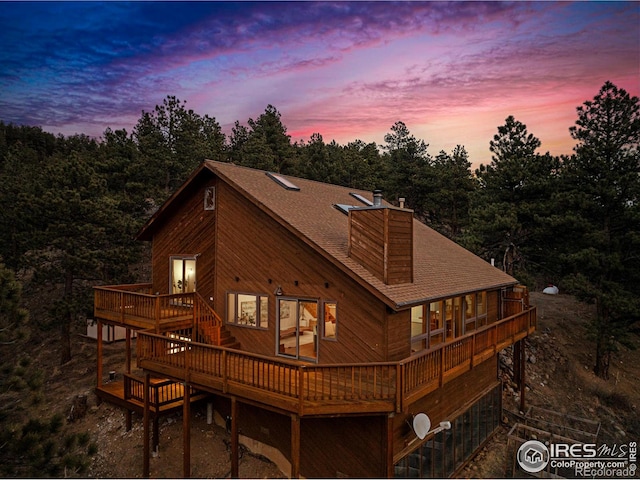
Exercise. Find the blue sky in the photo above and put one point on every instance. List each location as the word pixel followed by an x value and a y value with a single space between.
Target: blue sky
pixel 347 70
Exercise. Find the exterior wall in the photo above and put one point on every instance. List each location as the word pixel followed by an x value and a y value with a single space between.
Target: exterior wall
pixel 381 240
pixel 447 451
pixel 398 335
pixel 445 403
pixel 190 230
pixel 256 255
pixel 329 447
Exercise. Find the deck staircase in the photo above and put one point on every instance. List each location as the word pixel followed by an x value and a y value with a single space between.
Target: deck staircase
pixel 209 326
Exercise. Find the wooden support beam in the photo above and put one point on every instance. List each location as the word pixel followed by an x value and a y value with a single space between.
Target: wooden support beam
pixel 128 420
pixel 155 444
pixel 295 446
pixel 523 383
pixel 128 344
pixel 186 432
pixel 235 462
pixel 99 354
pixel 516 364
pixel 388 447
pixel 145 428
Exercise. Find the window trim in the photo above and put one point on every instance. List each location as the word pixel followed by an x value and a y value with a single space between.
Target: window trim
pixel 209 198
pixel 258 298
pixel 333 338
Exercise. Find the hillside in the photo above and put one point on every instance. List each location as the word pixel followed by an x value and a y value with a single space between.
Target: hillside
pixel 559 377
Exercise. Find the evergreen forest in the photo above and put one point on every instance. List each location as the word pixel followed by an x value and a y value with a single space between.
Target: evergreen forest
pixel 72 205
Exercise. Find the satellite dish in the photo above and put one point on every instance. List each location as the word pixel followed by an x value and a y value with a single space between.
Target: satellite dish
pixel 421 425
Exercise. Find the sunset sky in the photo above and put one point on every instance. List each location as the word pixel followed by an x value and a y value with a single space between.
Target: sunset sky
pixel 452 72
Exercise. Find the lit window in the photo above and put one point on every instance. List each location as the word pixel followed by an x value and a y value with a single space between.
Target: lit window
pixel 481 302
pixel 435 323
pixel 419 329
pixel 330 320
pixel 248 310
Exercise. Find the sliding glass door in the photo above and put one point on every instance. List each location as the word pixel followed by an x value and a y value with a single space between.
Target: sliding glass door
pixel 298 328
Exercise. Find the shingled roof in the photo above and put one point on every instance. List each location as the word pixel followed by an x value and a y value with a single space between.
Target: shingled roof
pixel 442 268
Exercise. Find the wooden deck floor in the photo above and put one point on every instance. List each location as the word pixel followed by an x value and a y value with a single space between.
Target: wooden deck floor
pixel 113 392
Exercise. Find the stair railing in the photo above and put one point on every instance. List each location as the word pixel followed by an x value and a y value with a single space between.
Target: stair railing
pixel 206 320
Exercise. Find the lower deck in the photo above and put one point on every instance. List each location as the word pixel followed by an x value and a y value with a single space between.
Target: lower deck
pixel 165 396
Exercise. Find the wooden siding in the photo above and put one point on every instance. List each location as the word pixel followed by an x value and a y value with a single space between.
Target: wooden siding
pixel 367 240
pixel 189 231
pixel 381 240
pixel 257 255
pixel 445 402
pixel 323 440
pixel 399 253
pixel 398 335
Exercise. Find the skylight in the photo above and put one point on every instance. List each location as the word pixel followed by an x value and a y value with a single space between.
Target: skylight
pixel 283 182
pixel 361 198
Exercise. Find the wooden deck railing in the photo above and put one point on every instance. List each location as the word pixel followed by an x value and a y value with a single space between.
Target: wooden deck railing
pixel 314 389
pixel 161 392
pixel 137 307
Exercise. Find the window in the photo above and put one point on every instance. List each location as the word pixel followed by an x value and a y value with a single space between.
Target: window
pixel 210 198
pixel 470 312
pixel 419 329
pixel 248 309
pixel 182 274
pixel 436 324
pixel 330 330
pixel 441 454
pixel 481 302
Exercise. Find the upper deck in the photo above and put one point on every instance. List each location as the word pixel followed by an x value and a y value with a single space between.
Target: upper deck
pixel 167 347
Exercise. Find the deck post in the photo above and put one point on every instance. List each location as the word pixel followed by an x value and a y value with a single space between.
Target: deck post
pixel 128 346
pixel 516 364
pixel 235 469
pixel 128 370
pixel 145 428
pixel 295 446
pixel 99 354
pixel 128 420
pixel 156 433
pixel 523 383
pixel 186 431
pixel 388 446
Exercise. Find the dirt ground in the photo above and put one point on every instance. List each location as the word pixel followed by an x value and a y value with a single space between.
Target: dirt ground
pixel 559 377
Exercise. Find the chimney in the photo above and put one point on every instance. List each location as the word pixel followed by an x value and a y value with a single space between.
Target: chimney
pixel 381 240
pixel 401 202
pixel 377 198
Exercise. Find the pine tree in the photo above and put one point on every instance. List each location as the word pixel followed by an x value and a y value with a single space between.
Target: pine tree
pixel 512 203
pixel 601 199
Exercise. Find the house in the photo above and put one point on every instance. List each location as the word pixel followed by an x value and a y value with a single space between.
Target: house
pixel 321 321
